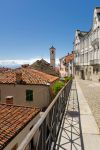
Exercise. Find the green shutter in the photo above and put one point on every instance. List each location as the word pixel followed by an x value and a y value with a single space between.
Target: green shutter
pixel 29 95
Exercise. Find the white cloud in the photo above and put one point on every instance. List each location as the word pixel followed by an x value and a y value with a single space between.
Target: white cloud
pixel 18 62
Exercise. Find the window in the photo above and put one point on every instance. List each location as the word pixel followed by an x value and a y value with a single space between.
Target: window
pixel 95 22
pixel 52 51
pixel 29 95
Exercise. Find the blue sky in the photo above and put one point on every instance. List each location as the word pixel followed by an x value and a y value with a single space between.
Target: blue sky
pixel 29 27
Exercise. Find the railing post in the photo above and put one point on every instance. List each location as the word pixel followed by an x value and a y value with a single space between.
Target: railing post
pixel 43 128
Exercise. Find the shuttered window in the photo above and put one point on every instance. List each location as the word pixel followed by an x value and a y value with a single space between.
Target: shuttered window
pixel 29 95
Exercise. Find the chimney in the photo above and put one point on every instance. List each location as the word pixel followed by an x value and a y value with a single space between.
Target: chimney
pixel 25 65
pixel 68 53
pixel 9 100
pixel 18 77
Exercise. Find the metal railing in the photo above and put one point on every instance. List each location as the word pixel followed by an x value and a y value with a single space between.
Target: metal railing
pixel 43 135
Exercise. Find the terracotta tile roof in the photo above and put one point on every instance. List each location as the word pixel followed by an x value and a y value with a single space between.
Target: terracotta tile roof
pixel 44 66
pixel 69 58
pixel 12 120
pixel 29 76
pixel 4 69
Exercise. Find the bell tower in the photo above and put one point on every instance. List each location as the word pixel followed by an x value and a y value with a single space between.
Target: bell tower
pixel 52 56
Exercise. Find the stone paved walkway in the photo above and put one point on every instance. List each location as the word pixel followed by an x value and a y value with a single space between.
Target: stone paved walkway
pixel 78 130
pixel 91 91
pixel 70 135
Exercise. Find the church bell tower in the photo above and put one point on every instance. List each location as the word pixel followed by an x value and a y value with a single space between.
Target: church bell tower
pixel 52 56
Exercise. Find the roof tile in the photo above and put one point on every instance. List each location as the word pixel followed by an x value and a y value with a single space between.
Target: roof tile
pixel 69 58
pixel 12 120
pixel 29 76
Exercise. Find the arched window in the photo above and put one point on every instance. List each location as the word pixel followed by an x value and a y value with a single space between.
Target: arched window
pixel 52 51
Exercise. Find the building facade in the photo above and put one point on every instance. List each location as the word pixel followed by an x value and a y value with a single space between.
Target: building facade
pixel 70 64
pixel 43 66
pixel 87 50
pixel 67 65
pixel 62 68
pixel 28 87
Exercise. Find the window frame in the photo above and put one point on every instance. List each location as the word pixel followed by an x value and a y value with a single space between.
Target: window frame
pixel 29 95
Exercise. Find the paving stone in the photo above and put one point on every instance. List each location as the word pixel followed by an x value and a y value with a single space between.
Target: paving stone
pixel 91 91
pixel 89 125
pixel 69 136
pixel 84 109
pixel 91 142
pixel 77 109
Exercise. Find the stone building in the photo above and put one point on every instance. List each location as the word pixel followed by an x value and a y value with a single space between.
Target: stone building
pixel 62 68
pixel 52 56
pixel 67 65
pixel 70 64
pixel 87 50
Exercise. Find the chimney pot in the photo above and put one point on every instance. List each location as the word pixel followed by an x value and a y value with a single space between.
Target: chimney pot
pixel 9 100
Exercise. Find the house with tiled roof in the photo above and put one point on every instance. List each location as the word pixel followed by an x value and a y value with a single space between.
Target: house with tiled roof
pixel 44 66
pixel 70 64
pixel 67 65
pixel 27 86
pixel 15 123
pixel 62 68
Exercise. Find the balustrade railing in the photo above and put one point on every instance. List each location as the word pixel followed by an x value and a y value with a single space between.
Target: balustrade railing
pixel 95 62
pixel 43 135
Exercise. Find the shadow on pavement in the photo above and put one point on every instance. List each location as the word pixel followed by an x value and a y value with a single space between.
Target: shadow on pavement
pixel 70 135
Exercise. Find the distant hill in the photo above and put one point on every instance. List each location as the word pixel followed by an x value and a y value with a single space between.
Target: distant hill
pixel 44 66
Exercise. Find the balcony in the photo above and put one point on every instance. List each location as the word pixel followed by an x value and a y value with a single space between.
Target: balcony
pixel 95 62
